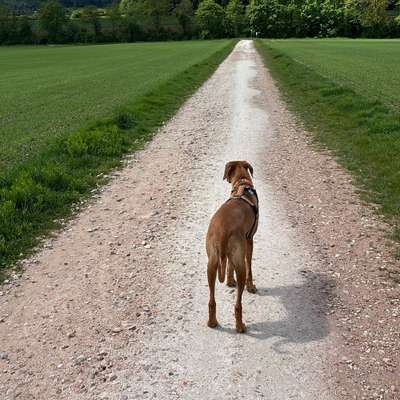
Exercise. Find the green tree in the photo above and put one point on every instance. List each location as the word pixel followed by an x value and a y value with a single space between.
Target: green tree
pixel 369 18
pixel 373 12
pixel 52 19
pixel 321 18
pixel 368 13
pixel 352 11
pixel 4 23
pixel 154 10
pixel 265 18
pixel 125 6
pixel 116 21
pixel 235 19
pixel 294 26
pixel 130 30
pixel 184 14
pixel 25 34
pixel 90 15
pixel 8 26
pixel 210 18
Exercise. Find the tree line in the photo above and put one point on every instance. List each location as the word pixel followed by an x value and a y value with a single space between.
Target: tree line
pixel 26 6
pixel 146 20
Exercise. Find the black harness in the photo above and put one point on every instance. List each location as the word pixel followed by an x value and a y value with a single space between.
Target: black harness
pixel 250 191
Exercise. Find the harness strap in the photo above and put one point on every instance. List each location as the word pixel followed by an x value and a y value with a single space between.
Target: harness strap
pixel 245 199
pixel 253 206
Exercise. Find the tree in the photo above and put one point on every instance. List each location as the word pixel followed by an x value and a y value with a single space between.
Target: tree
pixel 373 12
pixel 4 24
pixel 265 18
pixel 184 14
pixel 156 9
pixel 369 18
pixel 397 19
pixel 131 31
pixel 25 34
pixel 91 16
pixel 235 18
pixel 368 13
pixel 321 18
pixel 126 6
pixel 210 18
pixel 116 21
pixel 152 9
pixel 294 25
pixel 52 19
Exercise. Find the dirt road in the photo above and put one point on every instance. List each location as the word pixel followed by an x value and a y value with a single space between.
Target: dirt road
pixel 114 307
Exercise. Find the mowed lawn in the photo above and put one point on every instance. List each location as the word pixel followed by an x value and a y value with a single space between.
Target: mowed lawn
pixel 49 91
pixel 371 67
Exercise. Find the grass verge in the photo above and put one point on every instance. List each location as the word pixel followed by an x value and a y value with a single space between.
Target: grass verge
pixel 364 134
pixel 37 194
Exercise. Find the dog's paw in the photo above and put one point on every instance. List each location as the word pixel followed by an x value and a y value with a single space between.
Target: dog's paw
pixel 212 324
pixel 241 328
pixel 251 288
pixel 231 283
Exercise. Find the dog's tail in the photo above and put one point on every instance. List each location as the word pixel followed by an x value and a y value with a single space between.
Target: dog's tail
pixel 222 268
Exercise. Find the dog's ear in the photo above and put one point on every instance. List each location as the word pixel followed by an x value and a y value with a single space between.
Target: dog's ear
pixel 228 170
pixel 248 167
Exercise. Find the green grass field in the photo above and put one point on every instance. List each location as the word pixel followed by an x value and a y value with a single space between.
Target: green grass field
pixel 50 91
pixel 68 115
pixel 369 66
pixel 347 94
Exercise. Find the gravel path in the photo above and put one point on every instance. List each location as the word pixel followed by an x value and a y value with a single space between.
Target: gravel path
pixel 115 306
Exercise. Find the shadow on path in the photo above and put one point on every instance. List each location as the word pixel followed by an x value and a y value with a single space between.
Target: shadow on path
pixel 306 305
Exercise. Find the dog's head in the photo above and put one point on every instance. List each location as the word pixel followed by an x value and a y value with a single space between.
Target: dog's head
pixel 235 170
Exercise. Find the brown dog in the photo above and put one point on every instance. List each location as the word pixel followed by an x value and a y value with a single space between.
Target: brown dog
pixel 230 238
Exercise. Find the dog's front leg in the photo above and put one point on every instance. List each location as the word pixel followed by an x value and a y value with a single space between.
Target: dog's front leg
pixel 251 288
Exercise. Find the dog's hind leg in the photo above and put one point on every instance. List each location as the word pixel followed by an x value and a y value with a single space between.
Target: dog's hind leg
pixel 241 277
pixel 230 281
pixel 212 308
pixel 251 288
pixel 239 264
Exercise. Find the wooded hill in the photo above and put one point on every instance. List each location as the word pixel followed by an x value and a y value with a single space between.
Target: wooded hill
pixel 31 5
